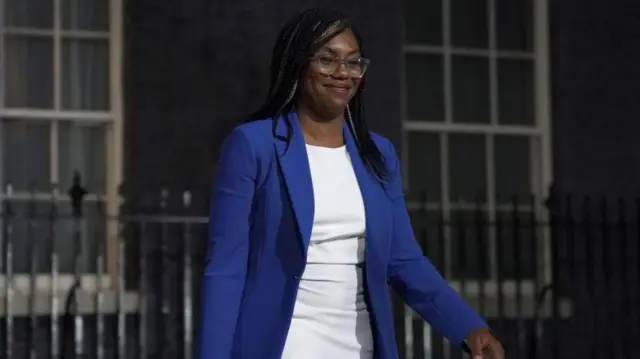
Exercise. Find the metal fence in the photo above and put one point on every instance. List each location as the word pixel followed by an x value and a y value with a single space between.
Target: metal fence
pixel 555 282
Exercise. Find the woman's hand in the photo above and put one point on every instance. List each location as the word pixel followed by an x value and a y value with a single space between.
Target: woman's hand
pixel 481 342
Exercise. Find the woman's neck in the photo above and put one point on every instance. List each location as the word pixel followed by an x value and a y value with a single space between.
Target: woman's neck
pixel 319 131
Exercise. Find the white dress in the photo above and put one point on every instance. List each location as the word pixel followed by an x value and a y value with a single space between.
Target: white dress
pixel 330 317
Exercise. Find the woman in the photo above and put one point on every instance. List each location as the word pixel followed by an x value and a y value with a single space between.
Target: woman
pixel 308 222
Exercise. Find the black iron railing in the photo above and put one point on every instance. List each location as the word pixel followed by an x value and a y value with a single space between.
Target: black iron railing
pixel 559 279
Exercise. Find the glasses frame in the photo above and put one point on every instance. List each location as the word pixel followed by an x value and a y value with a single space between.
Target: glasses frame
pixel 340 61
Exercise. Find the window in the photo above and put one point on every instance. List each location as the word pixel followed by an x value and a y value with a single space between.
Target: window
pixel 477 133
pixel 60 114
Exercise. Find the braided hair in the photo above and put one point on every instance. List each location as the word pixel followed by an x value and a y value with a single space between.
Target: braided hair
pixel 300 38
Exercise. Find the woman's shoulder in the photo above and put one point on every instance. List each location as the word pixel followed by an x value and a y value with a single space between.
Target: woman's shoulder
pixel 256 133
pixel 384 145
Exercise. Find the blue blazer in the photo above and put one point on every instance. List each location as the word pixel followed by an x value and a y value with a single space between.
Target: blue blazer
pixel 260 224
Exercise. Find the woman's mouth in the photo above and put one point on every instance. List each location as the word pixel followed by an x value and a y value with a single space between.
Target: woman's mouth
pixel 338 90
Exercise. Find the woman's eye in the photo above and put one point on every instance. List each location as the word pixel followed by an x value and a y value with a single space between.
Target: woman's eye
pixel 326 60
pixel 353 62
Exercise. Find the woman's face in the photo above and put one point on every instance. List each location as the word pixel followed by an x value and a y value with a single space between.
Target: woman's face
pixel 333 76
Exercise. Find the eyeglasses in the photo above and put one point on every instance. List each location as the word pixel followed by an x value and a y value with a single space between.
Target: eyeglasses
pixel 328 64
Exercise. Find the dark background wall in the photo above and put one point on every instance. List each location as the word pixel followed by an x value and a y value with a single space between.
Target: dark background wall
pixel 596 124
pixel 596 107
pixel 195 68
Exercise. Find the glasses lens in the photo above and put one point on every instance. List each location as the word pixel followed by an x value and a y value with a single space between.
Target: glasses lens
pixel 328 65
pixel 360 69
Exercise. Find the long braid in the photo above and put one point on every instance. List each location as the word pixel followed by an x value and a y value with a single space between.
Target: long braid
pixel 300 38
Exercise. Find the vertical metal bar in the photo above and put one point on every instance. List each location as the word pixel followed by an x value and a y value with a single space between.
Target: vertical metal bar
pixel 530 347
pixel 481 225
pixel 429 244
pixel 165 289
pixel 9 294
pixel 122 335
pixel 590 271
pixel 416 325
pixel 55 265
pixel 610 342
pixel 99 296
pixel 143 292
pixel 423 334
pixel 570 233
pixel 555 289
pixel 516 235
pixel 443 234
pixel 5 221
pixel 464 271
pixel 626 284
pixel 8 265
pixel 636 287
pixel 188 285
pixel 33 250
pixel 500 289
pixel 78 322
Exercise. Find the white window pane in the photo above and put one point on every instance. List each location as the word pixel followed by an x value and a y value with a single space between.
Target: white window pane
pixel 469 25
pixel 29 13
pixel 425 90
pixel 516 92
pixel 514 28
pixel 470 245
pixel 467 168
pixel 29 71
pixel 85 82
pixel 512 168
pixel 85 15
pixel 82 149
pixel 470 89
pixel 423 22
pixel 516 244
pixel 26 155
pixel 424 166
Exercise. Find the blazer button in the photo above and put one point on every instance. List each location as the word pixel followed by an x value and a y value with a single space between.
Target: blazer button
pixel 296 277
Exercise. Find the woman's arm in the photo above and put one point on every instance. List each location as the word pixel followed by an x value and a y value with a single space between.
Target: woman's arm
pixel 413 276
pixel 226 260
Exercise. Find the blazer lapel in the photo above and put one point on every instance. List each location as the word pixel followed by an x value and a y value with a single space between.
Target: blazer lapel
pixel 294 163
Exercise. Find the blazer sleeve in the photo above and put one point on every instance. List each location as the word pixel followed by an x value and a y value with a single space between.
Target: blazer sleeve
pixel 228 247
pixel 414 277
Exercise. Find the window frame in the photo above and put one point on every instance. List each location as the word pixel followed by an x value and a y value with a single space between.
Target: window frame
pixel 52 284
pixel 490 290
pixel 539 133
